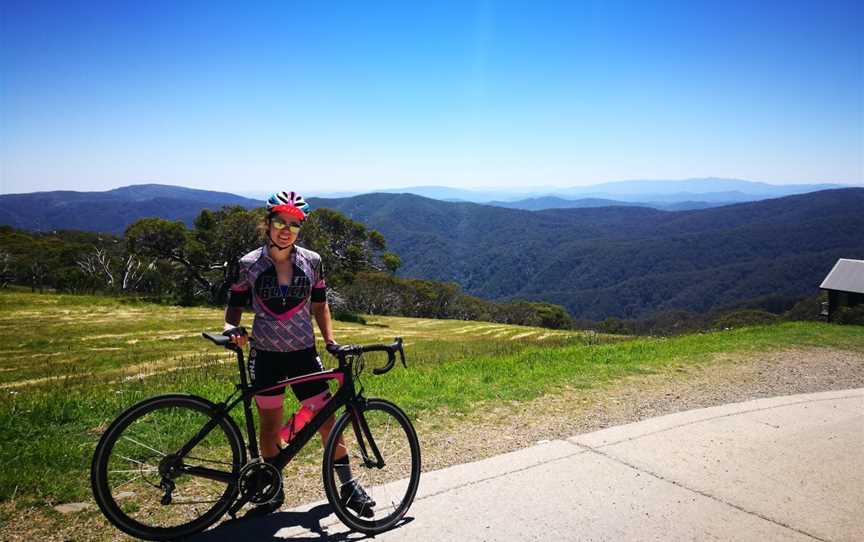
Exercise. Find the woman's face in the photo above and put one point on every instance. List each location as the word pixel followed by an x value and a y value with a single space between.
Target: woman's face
pixel 284 228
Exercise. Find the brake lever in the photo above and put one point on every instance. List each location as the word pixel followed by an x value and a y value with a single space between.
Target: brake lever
pixel 402 354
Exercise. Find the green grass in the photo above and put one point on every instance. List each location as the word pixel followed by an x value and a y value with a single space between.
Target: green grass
pixel 459 384
pixel 70 364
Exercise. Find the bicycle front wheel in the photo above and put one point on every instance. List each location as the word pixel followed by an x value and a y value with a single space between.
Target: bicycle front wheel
pixel 145 489
pixel 383 460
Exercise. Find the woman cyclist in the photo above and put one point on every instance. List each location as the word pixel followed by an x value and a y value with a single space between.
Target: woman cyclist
pixel 285 284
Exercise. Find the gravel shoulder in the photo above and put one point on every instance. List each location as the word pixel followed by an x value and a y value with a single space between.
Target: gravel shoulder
pixel 724 379
pixel 500 428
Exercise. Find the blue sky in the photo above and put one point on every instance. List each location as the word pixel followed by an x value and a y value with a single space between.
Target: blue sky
pixel 254 96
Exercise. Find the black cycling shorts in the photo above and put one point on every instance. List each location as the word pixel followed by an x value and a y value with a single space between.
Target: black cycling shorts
pixel 266 368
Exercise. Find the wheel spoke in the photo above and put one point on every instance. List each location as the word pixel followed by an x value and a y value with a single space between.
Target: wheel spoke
pixel 130 480
pixel 133 460
pixel 130 439
pixel 396 453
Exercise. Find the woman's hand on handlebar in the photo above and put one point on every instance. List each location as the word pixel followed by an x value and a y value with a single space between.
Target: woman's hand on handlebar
pixel 238 335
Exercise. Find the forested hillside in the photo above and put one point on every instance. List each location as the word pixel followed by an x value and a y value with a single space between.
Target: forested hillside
pixel 162 260
pixel 622 261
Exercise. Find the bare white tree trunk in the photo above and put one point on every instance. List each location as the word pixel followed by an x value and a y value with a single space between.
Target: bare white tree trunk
pixel 6 260
pixel 104 262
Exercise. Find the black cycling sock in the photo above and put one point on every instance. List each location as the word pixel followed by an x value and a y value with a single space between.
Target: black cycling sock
pixel 343 469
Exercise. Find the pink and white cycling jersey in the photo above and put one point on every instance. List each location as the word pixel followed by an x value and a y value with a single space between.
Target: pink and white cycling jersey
pixel 283 320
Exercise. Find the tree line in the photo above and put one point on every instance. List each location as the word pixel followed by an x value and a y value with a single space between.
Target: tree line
pixel 166 261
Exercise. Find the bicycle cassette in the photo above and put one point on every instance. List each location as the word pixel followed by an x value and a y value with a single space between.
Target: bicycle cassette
pixel 259 482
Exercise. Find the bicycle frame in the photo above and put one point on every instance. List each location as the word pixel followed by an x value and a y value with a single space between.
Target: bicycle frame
pixel 345 396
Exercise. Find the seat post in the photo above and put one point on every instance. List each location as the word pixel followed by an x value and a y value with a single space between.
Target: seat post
pixel 244 380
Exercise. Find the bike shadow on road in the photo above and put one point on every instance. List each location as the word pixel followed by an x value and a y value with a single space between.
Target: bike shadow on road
pixel 304 527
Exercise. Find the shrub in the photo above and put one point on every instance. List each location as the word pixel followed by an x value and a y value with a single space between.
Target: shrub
pixel 345 316
pixel 850 315
pixel 808 309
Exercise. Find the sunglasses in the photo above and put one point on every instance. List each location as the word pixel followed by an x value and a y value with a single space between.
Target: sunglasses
pixel 279 225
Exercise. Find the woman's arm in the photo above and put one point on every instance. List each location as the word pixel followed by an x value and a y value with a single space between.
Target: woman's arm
pixel 232 320
pixel 238 296
pixel 321 311
pixel 233 316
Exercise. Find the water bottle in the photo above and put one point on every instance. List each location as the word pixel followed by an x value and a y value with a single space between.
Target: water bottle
pixel 296 423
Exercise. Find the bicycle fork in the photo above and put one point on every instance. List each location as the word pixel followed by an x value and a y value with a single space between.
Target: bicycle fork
pixel 364 437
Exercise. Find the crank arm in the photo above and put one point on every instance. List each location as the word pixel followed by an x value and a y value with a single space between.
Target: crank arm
pixel 238 504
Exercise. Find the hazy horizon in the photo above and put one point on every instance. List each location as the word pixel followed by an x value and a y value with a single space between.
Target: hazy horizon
pixel 534 190
pixel 475 95
pixel 245 191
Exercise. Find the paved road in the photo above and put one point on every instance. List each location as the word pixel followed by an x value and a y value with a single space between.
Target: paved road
pixel 787 468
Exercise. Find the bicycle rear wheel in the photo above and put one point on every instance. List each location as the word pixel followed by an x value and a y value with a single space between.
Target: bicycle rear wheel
pixel 391 482
pixel 135 463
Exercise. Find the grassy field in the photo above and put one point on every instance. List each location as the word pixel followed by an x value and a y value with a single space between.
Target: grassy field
pixel 70 364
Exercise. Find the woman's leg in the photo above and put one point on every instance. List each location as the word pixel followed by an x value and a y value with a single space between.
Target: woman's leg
pixel 325 432
pixel 352 493
pixel 340 453
pixel 271 423
pixel 266 368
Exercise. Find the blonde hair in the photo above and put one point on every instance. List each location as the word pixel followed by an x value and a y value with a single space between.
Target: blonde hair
pixel 263 228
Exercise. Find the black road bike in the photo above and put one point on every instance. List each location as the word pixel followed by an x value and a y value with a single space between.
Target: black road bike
pixel 172 465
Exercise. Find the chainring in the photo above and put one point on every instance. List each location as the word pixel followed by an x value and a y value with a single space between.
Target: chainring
pixel 259 482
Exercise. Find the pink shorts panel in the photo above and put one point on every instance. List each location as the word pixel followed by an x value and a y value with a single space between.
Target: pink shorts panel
pixel 267 402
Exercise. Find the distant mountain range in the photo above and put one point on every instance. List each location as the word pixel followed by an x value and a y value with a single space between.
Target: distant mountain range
pixel 108 211
pixel 111 211
pixel 552 202
pixel 691 193
pixel 598 261
pixel 662 190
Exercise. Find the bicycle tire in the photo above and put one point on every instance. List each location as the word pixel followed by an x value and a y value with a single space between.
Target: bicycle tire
pixel 393 486
pixel 128 452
